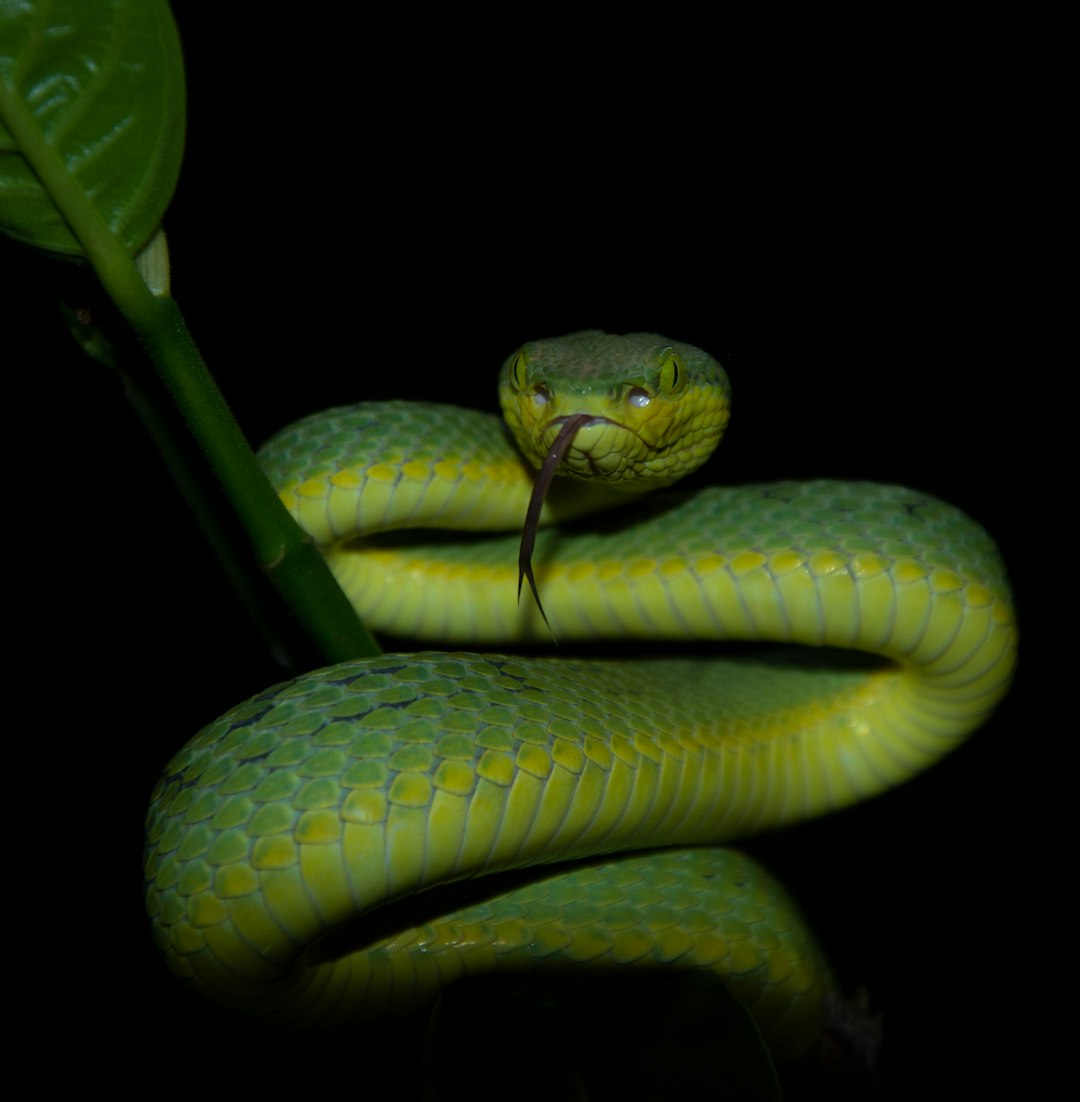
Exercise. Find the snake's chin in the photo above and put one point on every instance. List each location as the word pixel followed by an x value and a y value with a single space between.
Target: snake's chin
pixel 618 457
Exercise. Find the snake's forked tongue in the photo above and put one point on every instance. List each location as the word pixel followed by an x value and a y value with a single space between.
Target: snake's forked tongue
pixel 540 488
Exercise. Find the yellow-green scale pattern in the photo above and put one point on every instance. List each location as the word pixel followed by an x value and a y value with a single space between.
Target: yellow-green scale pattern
pixel 326 797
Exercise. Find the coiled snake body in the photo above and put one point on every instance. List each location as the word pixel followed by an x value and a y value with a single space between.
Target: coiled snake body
pixel 331 795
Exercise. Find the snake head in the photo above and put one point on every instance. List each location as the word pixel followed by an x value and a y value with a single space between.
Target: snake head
pixel 633 412
pixel 646 410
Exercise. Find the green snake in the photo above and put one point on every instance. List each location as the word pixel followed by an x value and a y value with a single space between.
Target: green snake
pixel 286 840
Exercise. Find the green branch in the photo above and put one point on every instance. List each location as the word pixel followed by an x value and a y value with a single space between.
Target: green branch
pixel 50 197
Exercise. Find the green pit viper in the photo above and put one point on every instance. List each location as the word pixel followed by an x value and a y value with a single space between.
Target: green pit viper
pixel 334 794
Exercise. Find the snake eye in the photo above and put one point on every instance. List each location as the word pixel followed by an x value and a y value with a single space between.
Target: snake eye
pixel 519 371
pixel 638 397
pixel 672 373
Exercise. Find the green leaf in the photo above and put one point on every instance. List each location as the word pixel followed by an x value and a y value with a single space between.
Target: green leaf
pixel 91 120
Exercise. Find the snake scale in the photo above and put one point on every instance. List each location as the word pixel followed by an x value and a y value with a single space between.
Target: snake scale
pixel 288 841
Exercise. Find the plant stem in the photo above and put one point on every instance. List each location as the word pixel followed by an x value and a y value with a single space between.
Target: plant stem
pixel 295 567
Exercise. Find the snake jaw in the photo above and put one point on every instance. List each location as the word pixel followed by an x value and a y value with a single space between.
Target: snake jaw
pixel 604 457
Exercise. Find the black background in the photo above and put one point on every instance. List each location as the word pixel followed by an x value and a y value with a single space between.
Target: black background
pixel 835 223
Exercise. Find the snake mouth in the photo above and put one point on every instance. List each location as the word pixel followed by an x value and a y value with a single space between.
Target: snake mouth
pixel 591 419
pixel 587 420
